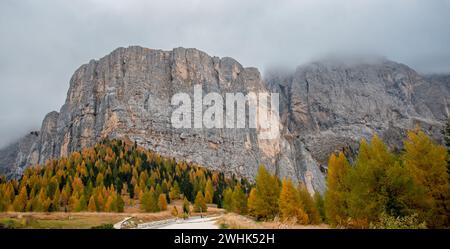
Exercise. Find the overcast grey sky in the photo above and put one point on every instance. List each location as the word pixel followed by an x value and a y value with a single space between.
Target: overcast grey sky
pixel 43 42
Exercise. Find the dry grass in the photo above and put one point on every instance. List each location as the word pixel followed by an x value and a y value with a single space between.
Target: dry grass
pixel 86 220
pixel 235 221
pixel 58 220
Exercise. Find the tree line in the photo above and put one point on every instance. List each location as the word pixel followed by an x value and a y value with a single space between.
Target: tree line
pixel 379 189
pixel 271 197
pixel 382 187
pixel 109 176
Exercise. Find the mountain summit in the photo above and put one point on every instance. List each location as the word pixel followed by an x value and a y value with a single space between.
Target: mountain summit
pixel 324 107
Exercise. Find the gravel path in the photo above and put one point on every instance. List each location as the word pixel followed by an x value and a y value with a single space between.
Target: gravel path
pixel 199 223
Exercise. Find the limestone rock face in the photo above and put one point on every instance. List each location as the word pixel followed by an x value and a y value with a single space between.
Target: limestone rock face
pixel 15 157
pixel 434 96
pixel 127 94
pixel 331 105
pixel 324 107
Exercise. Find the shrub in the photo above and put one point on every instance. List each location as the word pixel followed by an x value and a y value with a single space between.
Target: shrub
pixel 390 222
pixel 103 226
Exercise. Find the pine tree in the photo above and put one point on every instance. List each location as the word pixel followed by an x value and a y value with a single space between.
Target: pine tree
pixel 109 204
pixel 21 200
pixel 251 203
pixel 162 202
pixel 42 197
pixel 290 204
pixel 120 203
pixel 3 199
pixel 137 192
pixel 82 204
pixel 227 201
pixel 267 195
pixel 53 186
pixel 149 202
pixel 154 201
pixel 146 202
pixel 7 195
pixel 289 200
pixel 47 205
pixel 209 191
pixel 239 200
pixel 186 206
pixel 199 203
pixel 174 193
pixel 208 197
pixel 320 205
pixel 158 190
pixel 174 211
pixel 427 162
pixel 65 195
pixel 99 180
pixel 366 200
pixel 77 186
pixel 379 183
pixel 36 205
pixel 28 207
pixel 308 205
pixel 335 197
pixel 56 200
pixel 164 186
pixel 73 202
pixel 91 206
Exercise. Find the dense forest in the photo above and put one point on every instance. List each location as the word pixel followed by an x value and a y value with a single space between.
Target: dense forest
pixel 376 189
pixel 109 175
pixel 379 189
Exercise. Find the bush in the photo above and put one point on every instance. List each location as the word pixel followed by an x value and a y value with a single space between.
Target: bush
pixel 185 216
pixel 390 222
pixel 103 226
pixel 174 211
pixel 224 226
pixel 11 224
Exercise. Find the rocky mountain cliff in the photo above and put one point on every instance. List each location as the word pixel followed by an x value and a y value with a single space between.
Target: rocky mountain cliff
pixel 15 156
pixel 324 106
pixel 127 94
pixel 331 105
